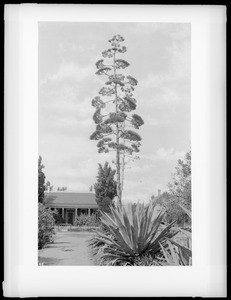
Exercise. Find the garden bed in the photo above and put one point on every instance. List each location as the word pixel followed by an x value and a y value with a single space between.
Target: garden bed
pixel 83 228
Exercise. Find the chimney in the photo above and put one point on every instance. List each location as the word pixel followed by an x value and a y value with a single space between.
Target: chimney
pixel 159 192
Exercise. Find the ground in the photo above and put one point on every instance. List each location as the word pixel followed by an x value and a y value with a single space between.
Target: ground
pixel 69 249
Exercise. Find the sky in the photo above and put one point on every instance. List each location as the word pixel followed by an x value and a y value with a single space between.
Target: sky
pixel 159 57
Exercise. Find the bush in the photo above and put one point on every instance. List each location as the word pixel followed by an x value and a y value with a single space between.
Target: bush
pixel 129 234
pixel 173 210
pixel 58 219
pixel 86 220
pixel 45 226
pixel 147 260
pixel 105 187
pixel 177 253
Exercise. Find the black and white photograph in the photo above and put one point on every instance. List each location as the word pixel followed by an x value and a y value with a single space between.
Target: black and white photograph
pixel 114 144
pixel 114 160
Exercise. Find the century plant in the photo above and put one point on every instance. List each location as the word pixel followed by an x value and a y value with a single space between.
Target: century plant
pixel 116 96
pixel 131 233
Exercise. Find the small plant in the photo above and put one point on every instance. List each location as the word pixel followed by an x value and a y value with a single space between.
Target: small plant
pixel 46 224
pixel 85 220
pixel 147 260
pixel 130 233
pixel 58 218
pixel 175 253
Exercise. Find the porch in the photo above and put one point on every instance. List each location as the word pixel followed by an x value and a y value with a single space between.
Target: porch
pixel 70 214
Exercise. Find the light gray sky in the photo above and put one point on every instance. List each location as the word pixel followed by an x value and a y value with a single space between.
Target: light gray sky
pixel 159 57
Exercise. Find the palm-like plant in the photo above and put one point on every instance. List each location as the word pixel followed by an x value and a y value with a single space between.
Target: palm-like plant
pixel 130 232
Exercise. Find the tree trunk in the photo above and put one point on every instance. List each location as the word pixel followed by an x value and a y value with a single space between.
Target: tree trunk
pixel 122 166
pixel 117 142
pixel 118 175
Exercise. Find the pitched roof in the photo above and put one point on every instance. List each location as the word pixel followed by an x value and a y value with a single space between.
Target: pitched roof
pixel 59 199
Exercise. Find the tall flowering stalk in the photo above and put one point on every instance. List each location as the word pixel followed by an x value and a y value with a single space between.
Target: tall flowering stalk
pixel 116 100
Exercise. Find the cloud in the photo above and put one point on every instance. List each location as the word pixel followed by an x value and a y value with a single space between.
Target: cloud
pixel 172 84
pixel 178 71
pixel 68 83
pixel 163 154
pixel 67 47
pixel 69 71
pixel 177 31
pixel 135 191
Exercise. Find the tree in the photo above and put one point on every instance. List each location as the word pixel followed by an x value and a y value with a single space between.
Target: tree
pixel 46 224
pixel 170 203
pixel 41 180
pixel 180 186
pixel 105 187
pixel 112 127
pixel 48 186
pixel 179 192
pixel 64 188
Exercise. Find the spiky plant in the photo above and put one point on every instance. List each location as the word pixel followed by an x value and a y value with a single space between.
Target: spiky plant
pixel 130 232
pixel 177 254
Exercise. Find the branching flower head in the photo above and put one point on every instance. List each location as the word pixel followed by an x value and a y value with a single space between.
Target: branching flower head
pixel 119 89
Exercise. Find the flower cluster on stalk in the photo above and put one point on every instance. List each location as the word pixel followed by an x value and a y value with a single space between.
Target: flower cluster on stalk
pixel 117 93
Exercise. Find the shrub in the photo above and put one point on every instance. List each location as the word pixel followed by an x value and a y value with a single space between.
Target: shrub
pixel 173 210
pixel 147 260
pixel 130 233
pixel 86 220
pixel 105 187
pixel 58 219
pixel 176 253
pixel 45 226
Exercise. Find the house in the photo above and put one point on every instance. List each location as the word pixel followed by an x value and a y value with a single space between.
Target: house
pixel 70 205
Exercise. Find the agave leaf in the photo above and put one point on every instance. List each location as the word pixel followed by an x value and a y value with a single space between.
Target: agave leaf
pixel 165 232
pixel 104 238
pixel 142 236
pixel 116 248
pixel 134 239
pixel 152 231
pixel 127 225
pixel 135 229
pixel 127 216
pixel 173 253
pixel 184 258
pixel 170 260
pixel 107 221
pixel 187 233
pixel 154 246
pixel 144 223
pixel 121 240
pixel 122 228
pixel 155 225
pixel 188 212
pixel 182 248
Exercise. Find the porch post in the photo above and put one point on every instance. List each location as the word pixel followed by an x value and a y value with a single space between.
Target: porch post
pixel 76 213
pixel 89 211
pixel 63 212
pixel 66 217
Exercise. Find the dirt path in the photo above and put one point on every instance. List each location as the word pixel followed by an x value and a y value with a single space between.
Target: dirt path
pixel 69 249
